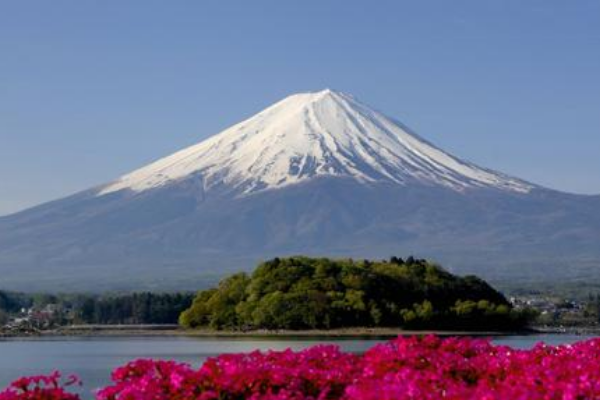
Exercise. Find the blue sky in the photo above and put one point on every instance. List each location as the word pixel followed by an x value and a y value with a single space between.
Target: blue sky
pixel 92 89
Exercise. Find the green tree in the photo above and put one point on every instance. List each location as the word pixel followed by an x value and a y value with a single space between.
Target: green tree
pixel 315 293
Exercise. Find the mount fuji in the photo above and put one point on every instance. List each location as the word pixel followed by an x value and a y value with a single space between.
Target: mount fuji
pixel 310 135
pixel 316 173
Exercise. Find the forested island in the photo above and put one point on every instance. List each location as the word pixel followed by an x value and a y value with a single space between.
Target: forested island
pixel 295 293
pixel 302 293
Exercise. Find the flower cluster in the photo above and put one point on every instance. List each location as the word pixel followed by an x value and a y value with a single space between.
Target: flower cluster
pixel 404 368
pixel 457 369
pixel 41 387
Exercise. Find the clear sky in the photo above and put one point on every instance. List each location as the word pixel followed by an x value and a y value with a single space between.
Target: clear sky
pixel 90 90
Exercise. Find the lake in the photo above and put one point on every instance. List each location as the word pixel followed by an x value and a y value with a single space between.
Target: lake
pixel 92 358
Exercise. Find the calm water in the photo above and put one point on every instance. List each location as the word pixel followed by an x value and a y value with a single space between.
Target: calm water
pixel 92 358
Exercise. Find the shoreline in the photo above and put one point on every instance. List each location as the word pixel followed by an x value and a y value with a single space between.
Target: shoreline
pixel 173 331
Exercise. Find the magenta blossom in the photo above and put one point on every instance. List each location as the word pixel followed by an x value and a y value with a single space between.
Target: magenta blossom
pixel 423 368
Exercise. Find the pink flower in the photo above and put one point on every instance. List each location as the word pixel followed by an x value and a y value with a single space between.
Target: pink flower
pixel 424 368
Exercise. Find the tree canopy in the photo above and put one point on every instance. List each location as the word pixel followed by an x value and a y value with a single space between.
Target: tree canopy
pixel 321 293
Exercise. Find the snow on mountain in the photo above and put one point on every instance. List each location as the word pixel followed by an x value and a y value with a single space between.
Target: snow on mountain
pixel 309 135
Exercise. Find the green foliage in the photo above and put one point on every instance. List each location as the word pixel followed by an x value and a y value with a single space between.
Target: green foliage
pixel 217 307
pixel 136 308
pixel 320 293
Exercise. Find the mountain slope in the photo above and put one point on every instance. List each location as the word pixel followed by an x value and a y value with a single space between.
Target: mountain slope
pixel 314 134
pixel 318 174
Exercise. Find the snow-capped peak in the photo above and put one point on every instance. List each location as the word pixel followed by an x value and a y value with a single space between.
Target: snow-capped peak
pixel 308 135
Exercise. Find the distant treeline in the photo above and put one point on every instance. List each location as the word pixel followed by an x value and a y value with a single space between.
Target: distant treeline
pixel 135 308
pixel 321 293
pixel 12 302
